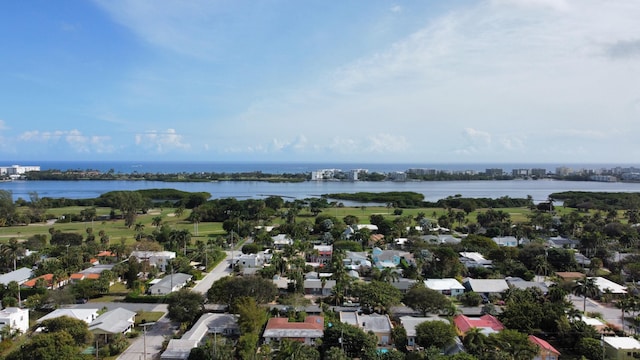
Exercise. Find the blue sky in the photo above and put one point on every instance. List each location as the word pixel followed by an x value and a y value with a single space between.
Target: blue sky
pixel 369 81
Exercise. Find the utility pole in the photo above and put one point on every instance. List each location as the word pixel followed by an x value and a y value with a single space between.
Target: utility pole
pixel 144 339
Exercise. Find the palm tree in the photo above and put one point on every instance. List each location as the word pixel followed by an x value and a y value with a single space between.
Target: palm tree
pixel 475 341
pixel 139 227
pixel 181 237
pixel 13 249
pixel 156 221
pixel 585 287
pixel 389 275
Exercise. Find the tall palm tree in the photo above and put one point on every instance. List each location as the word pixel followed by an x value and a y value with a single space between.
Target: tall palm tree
pixel 585 287
pixel 12 250
pixel 181 237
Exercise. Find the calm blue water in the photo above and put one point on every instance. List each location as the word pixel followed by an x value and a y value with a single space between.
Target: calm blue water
pixel 432 190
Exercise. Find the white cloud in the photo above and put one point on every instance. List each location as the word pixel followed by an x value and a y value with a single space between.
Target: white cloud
pixel 195 28
pixel 3 125
pixel 519 70
pixel 478 137
pixel 161 142
pixel 561 5
pixel 74 138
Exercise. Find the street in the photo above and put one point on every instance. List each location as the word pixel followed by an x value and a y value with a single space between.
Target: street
pixel 157 333
pixel 609 314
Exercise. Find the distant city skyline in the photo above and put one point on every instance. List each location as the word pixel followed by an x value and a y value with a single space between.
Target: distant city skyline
pixel 434 82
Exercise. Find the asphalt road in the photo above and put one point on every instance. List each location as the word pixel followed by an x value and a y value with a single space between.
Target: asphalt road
pixel 156 334
pixel 609 313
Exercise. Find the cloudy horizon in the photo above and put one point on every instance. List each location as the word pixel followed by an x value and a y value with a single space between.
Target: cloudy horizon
pixel 514 81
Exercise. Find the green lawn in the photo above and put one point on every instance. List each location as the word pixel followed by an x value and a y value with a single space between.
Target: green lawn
pixel 117 231
pixel 148 316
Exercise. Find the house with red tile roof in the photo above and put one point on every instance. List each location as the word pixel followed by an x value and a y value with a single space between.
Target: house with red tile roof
pixel 486 323
pixel 545 350
pixel 106 253
pixel 305 332
pixel 48 281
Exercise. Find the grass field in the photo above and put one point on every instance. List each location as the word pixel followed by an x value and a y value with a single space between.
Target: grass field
pixel 117 231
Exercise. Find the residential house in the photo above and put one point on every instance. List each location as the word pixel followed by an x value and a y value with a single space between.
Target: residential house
pixel 16 318
pixel 321 254
pixel 509 241
pixel 390 258
pixel 217 324
pixel 474 259
pixel 487 287
pixel 319 286
pixel 562 242
pixel 356 260
pixel 400 243
pixel 379 325
pixel 281 240
pixel 86 315
pixel 606 285
pixel 48 280
pixel 159 259
pixel 545 350
pixel 403 284
pixel 350 230
pixel 447 286
pixel 441 239
pixel 307 332
pixel 621 348
pixel 410 322
pixel 93 272
pixel 80 276
pixel 598 324
pixel 570 275
pixel 487 324
pixel 251 260
pixel 520 283
pixel 116 321
pixel 20 276
pixel 582 260
pixel 169 284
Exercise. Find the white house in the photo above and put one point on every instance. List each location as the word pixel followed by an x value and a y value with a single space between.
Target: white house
pixel 86 315
pixel 307 332
pixel 20 276
pixel 410 322
pixel 315 287
pixel 486 286
pixel 281 240
pixel 617 347
pixel 379 325
pixel 250 260
pixel 116 321
pixel 222 324
pixel 159 259
pixel 448 286
pixel 169 284
pixel 608 285
pixel 17 319
pixel 474 259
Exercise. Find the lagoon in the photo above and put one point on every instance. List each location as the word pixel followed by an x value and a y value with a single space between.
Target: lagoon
pixel 432 190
